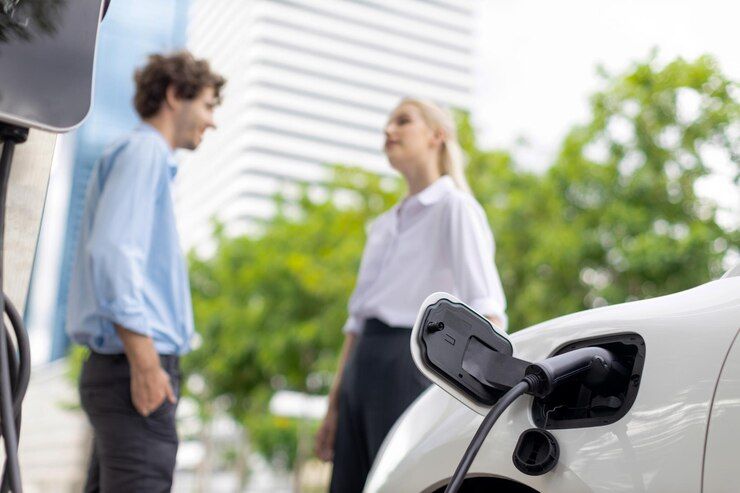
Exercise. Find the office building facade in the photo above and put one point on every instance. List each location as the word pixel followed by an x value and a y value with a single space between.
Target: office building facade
pixel 311 83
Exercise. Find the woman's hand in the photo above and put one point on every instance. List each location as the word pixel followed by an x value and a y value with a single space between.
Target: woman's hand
pixel 325 436
pixel 327 432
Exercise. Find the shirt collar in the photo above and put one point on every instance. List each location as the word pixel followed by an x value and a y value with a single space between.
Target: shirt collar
pixel 410 206
pixel 435 191
pixel 171 162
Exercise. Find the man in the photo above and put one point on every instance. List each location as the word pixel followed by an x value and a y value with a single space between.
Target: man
pixel 129 298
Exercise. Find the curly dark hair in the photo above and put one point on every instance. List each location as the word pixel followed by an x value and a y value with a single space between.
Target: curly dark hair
pixel 188 75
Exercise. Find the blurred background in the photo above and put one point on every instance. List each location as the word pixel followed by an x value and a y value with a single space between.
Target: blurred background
pixel 603 139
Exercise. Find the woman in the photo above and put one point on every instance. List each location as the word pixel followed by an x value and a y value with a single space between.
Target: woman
pixel 436 239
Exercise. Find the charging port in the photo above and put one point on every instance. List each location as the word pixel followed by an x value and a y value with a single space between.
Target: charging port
pixel 579 403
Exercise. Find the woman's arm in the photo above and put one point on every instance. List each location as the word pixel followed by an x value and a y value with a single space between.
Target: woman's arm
pixel 327 432
pixel 347 347
pixel 472 250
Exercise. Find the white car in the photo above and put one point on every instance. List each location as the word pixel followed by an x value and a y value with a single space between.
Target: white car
pixel 675 426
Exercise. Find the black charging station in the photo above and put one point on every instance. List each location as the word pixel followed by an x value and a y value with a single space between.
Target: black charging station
pixel 47 55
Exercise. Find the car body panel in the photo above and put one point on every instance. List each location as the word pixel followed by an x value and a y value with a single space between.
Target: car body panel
pixel 721 458
pixel 657 447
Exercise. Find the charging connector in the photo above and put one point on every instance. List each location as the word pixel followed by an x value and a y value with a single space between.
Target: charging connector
pixel 591 363
pixel 540 379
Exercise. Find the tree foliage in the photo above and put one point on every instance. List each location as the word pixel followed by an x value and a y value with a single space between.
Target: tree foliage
pixel 614 218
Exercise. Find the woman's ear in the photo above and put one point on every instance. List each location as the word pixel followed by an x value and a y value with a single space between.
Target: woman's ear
pixel 438 138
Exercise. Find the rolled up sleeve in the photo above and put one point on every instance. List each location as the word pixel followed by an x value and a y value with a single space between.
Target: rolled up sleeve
pixel 121 235
pixel 472 250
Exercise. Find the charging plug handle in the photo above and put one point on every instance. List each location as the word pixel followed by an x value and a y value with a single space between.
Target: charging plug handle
pixel 592 363
pixel 492 368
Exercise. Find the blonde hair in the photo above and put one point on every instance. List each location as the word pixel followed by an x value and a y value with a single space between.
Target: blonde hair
pixel 451 157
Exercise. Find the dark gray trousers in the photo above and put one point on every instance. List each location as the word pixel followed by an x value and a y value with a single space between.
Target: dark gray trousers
pixel 380 381
pixel 130 452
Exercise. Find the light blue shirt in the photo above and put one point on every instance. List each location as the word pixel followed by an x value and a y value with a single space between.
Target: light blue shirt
pixel 128 266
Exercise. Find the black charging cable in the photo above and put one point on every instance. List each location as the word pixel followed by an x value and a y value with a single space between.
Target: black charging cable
pixel 540 379
pixel 20 373
pixel 15 369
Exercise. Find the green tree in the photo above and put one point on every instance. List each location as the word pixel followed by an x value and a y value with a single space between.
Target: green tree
pixel 614 218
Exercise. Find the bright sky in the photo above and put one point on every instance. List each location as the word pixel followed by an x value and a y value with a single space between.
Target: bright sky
pixel 539 57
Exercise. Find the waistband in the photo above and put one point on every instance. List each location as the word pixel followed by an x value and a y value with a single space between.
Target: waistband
pixel 374 326
pixel 168 361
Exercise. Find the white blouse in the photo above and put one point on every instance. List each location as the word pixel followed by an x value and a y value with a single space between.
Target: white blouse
pixel 436 240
